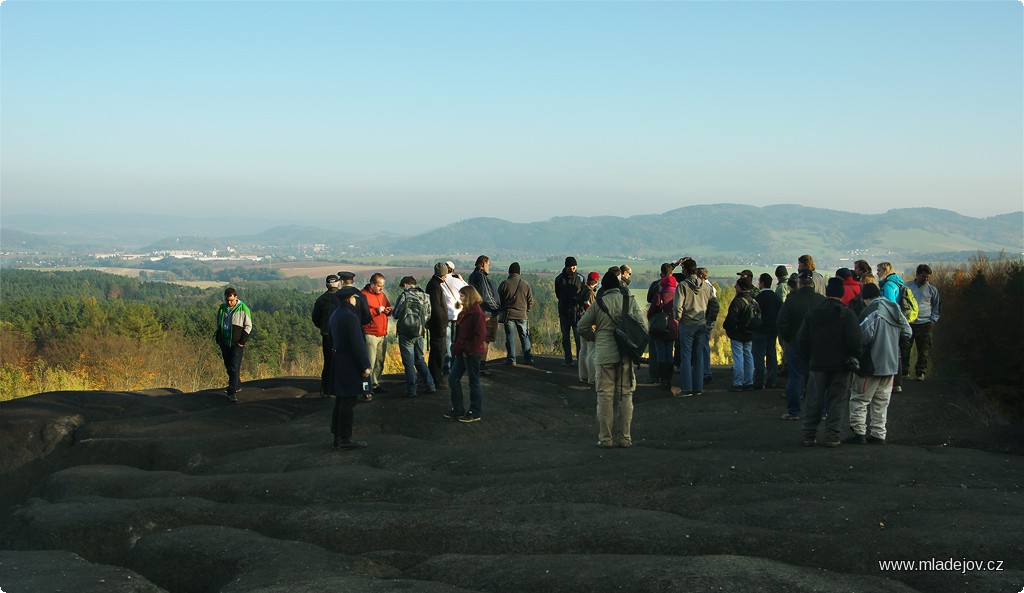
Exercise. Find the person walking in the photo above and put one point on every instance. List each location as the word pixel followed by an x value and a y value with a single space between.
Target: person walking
pixel 234 326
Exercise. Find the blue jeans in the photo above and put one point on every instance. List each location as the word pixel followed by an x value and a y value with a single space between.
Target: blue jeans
pixel 797 365
pixel 415 367
pixel 707 353
pixel 663 351
pixel 567 323
pixel 448 337
pixel 462 365
pixel 522 327
pixel 742 363
pixel 691 355
pixel 766 367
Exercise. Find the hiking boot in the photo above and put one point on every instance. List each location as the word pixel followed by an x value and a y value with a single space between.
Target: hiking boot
pixel 625 444
pixel 605 445
pixel 232 398
pixel 897 389
pixel 470 417
pixel 348 443
pixel 453 415
pixel 856 439
pixel 873 440
pixel 788 416
pixel 919 377
pixel 696 393
pixel 832 442
pixel 810 441
pixel 366 397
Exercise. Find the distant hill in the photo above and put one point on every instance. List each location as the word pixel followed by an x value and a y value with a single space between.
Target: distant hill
pixel 724 232
pixel 774 233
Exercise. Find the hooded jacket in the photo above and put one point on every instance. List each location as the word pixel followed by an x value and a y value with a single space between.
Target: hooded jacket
pixel 881 332
pixel 691 301
pixel 890 287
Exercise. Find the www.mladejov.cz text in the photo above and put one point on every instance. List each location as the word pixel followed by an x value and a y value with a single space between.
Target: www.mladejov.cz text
pixel 961 565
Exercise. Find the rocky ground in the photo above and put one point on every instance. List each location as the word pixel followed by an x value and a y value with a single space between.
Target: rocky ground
pixel 165 491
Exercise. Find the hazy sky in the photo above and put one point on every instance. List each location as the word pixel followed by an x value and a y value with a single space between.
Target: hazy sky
pixel 425 112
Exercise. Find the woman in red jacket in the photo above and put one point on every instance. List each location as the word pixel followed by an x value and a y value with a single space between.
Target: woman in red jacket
pixel 468 348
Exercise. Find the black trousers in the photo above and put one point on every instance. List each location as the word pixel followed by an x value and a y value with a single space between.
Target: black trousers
pixel 341 419
pixel 233 365
pixel 435 358
pixel 325 375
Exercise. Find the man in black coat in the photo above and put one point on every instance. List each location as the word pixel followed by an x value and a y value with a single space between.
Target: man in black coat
pixel 766 364
pixel 323 307
pixel 437 325
pixel 829 336
pixel 350 366
pixel 791 316
pixel 568 286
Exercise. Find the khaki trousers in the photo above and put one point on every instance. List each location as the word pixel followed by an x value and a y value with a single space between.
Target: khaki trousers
pixel 375 348
pixel 615 385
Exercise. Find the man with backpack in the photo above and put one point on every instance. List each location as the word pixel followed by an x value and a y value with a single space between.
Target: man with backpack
pixel 411 313
pixel 615 376
pixel 743 316
pixel 894 289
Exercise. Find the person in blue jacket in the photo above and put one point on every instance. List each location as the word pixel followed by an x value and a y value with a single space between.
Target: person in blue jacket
pixel 350 366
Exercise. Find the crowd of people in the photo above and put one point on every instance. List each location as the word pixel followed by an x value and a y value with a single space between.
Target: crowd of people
pixel 846 342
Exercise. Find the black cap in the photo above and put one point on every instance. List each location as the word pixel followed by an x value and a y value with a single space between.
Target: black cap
pixel 332 279
pixel 570 261
pixel 746 273
pixel 347 275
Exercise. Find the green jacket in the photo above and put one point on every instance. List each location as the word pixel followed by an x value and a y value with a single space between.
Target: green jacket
pixel 241 325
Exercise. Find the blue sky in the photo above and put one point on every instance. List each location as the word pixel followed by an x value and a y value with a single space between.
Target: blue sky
pixel 412 114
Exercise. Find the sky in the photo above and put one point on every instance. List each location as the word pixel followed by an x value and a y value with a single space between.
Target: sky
pixel 418 113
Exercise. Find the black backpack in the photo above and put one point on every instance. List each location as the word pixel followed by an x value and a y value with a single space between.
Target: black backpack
pixel 630 335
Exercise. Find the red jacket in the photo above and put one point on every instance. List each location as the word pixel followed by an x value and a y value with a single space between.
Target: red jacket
pixel 379 325
pixel 469 337
pixel 851 289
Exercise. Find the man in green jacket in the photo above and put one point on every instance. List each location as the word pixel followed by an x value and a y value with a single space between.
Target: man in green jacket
pixel 234 325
